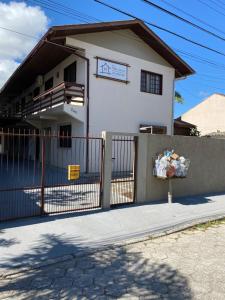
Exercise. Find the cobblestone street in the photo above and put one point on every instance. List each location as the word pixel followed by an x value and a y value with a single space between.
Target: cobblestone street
pixel 184 265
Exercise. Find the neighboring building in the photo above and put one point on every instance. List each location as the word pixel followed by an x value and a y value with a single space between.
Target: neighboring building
pixel 182 127
pixel 209 115
pixel 82 79
pixel 216 135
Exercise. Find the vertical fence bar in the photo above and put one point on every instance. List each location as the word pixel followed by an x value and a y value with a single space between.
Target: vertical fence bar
pixel 101 169
pixel 43 175
pixel 135 167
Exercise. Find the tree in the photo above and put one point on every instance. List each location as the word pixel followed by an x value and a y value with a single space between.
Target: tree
pixel 178 98
pixel 195 132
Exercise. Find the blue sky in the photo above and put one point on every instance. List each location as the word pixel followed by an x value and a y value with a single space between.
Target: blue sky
pixel 209 77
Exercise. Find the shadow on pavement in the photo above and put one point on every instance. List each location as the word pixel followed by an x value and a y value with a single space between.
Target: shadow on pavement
pixel 112 273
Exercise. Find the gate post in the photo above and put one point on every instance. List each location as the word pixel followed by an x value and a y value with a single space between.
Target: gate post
pixel 141 168
pixel 107 169
pixel 42 175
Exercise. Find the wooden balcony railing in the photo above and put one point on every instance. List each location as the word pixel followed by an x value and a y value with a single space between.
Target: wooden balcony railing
pixel 65 92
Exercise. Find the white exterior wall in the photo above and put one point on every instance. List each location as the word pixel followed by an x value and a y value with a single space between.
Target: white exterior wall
pixel 58 75
pixel 114 106
pixel 62 157
pixel 209 115
pixel 117 106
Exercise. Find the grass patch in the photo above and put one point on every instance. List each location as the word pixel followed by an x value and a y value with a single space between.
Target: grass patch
pixel 206 225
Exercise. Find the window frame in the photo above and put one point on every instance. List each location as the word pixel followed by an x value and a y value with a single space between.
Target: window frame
pixel 47 81
pixel 66 142
pixel 36 91
pixel 67 67
pixel 161 83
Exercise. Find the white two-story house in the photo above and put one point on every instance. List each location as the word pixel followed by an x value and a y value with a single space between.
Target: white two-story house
pixel 82 79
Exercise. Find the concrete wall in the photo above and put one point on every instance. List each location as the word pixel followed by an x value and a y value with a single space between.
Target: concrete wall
pixel 116 106
pixel 209 115
pixel 206 173
pixel 207 169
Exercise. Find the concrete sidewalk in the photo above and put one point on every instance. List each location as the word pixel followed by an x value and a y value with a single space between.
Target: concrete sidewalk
pixel 32 241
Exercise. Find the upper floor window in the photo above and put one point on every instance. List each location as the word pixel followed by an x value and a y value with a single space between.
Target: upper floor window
pixel 151 82
pixel 36 91
pixel 23 102
pixel 65 140
pixel 49 84
pixel 70 73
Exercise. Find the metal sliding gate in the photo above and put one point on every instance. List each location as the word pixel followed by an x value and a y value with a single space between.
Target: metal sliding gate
pixel 33 173
pixel 123 183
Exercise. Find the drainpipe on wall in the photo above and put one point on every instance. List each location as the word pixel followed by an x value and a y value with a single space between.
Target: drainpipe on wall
pixel 73 51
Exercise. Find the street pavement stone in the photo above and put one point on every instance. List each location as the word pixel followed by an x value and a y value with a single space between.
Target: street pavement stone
pixel 186 265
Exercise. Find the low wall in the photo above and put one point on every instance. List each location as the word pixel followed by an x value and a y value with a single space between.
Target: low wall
pixel 206 173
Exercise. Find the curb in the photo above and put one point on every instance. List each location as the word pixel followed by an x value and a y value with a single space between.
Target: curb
pixel 154 234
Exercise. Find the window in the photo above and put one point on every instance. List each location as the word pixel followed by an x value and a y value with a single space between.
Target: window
pixel 70 73
pixel 36 91
pixel 49 84
pixel 17 106
pixel 23 102
pixel 153 129
pixel 65 140
pixel 151 83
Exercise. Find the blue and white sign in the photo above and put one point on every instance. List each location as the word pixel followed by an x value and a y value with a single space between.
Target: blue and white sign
pixel 112 70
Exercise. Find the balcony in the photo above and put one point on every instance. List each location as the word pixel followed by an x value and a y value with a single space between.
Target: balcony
pixel 64 93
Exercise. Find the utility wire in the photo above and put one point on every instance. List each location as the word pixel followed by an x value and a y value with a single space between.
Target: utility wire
pixel 219 5
pixel 59 10
pixel 161 28
pixel 150 3
pixel 212 8
pixel 199 59
pixel 192 16
pixel 191 56
pixel 20 33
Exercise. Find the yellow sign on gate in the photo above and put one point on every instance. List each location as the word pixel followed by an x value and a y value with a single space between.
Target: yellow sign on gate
pixel 73 172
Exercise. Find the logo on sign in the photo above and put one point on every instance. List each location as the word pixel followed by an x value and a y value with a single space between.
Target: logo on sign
pixel 112 70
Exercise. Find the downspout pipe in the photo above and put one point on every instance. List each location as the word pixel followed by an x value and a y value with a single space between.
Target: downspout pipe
pixel 73 51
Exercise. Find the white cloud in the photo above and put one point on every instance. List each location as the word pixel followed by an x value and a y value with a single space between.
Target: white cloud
pixel 14 47
pixel 7 67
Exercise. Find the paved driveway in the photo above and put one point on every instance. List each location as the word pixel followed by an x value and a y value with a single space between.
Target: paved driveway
pixel 182 266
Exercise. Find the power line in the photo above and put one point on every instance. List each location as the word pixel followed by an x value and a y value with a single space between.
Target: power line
pixel 221 2
pixel 212 8
pixel 89 18
pixel 190 55
pixel 161 28
pixel 210 86
pixel 217 4
pixel 148 2
pixel 192 16
pixel 59 10
pixel 20 33
pixel 200 59
pixel 128 37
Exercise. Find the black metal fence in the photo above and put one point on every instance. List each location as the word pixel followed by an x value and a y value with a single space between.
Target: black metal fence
pixel 34 173
pixel 124 150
